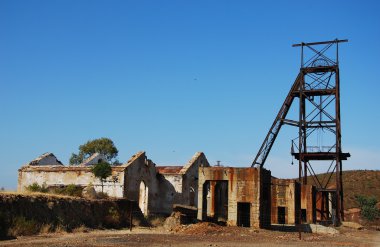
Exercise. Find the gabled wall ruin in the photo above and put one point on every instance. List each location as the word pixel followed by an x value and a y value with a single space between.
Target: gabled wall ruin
pixel 139 180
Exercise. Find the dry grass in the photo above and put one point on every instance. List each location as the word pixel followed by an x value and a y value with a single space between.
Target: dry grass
pixel 356 182
pixel 81 229
pixel 23 227
pixel 46 228
pixel 28 193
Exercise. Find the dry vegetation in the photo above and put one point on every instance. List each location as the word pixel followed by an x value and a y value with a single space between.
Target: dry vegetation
pixel 357 182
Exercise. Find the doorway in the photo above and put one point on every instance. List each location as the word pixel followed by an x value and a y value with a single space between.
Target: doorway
pixel 281 215
pixel 244 214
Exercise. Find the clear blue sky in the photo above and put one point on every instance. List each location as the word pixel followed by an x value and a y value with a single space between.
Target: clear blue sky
pixel 176 77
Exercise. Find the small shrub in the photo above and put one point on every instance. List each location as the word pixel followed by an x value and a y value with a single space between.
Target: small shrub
pixel 23 227
pixel 113 218
pixel 73 190
pixel 102 195
pixel 69 190
pixel 156 220
pixel 369 211
pixel 35 187
pixel 114 214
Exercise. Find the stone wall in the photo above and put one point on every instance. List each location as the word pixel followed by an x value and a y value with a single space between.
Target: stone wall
pixel 65 212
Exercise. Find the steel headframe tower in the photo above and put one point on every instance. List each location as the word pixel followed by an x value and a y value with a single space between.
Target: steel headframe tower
pixel 317 89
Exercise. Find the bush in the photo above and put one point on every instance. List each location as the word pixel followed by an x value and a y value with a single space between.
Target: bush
pixel 102 195
pixel 369 211
pixel 69 190
pixel 35 187
pixel 113 218
pixel 22 227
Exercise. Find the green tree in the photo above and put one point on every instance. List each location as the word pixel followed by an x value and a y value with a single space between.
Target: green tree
pixel 102 171
pixel 368 208
pixel 104 146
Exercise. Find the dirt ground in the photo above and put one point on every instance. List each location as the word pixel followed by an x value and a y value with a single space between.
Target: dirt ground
pixel 203 234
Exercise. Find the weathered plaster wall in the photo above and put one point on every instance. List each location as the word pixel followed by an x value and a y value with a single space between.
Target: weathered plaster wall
pixel 244 185
pixel 181 187
pixel 170 191
pixel 142 170
pixel 53 176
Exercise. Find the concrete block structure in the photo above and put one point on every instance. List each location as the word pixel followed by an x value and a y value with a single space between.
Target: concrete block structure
pixel 237 196
pixel 285 201
pixel 292 202
pixel 308 203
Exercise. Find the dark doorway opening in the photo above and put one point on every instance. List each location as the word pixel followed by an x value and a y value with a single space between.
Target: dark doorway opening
pixel 221 201
pixel 281 215
pixel 244 214
pixel 215 201
pixel 303 215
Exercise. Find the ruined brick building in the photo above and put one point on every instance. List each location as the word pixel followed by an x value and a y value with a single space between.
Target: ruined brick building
pixel 251 197
pixel 248 197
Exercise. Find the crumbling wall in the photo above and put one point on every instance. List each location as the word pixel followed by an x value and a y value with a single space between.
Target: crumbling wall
pixel 244 186
pixel 56 176
pixel 170 190
pixel 285 194
pixel 190 179
pixel 142 170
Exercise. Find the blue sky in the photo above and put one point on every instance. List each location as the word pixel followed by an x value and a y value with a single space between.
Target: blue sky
pixel 176 77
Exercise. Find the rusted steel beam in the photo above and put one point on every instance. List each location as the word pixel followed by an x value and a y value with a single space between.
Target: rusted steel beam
pixel 321 43
pixel 320 156
pixel 319 69
pixel 315 92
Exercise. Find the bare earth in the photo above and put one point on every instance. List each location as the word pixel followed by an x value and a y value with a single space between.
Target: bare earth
pixel 199 235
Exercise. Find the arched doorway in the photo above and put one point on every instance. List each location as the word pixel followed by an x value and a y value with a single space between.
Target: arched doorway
pixel 143 198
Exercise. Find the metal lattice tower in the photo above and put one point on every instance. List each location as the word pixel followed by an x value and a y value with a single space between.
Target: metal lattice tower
pixel 317 89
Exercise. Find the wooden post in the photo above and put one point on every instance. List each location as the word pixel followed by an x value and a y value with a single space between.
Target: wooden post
pixel 130 215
